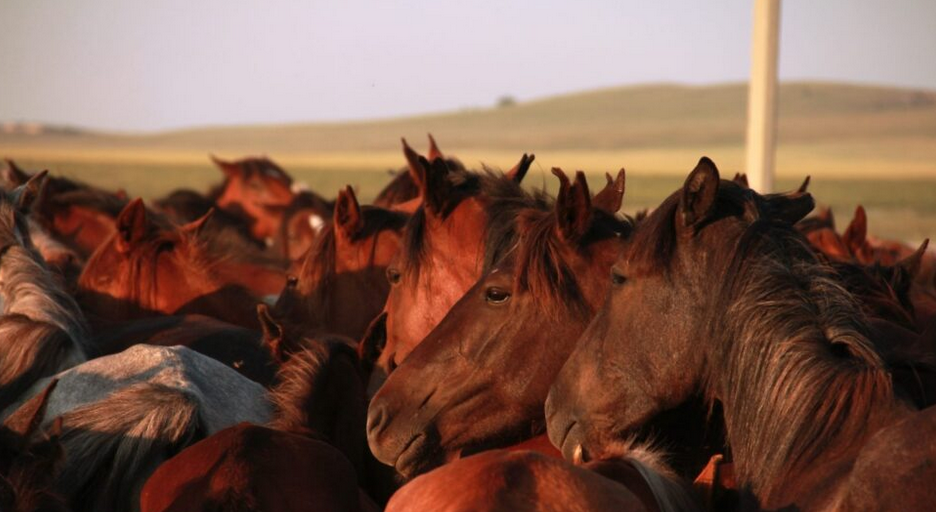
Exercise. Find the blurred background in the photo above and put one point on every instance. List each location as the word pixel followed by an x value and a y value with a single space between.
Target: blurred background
pixel 135 95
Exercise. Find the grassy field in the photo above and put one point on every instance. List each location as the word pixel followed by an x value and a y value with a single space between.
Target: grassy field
pixel 870 145
pixel 903 209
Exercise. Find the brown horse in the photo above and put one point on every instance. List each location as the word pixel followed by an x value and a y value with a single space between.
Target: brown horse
pixel 717 294
pixel 257 189
pixel 443 253
pixel 342 283
pixel 501 481
pixel 146 269
pixel 501 345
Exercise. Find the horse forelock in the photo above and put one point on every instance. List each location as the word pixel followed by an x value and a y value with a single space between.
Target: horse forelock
pixel 497 192
pixel 542 261
pixel 796 370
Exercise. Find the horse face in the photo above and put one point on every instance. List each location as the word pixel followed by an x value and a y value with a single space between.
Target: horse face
pixel 644 352
pixel 450 264
pixel 427 410
pixel 260 188
pixel 144 267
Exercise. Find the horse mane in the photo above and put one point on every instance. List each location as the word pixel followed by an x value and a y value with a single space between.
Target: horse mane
pixel 669 490
pixel 542 269
pixel 301 378
pixel 143 264
pixel 227 237
pixel 116 442
pixel 875 286
pixel 799 369
pixel 91 198
pixel 505 198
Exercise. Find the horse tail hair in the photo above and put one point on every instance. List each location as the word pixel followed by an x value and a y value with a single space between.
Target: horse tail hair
pixel 113 445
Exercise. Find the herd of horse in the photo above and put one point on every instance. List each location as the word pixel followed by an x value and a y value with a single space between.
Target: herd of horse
pixel 464 343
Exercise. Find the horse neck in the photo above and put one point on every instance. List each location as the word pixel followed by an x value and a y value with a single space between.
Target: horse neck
pixel 28 288
pixel 800 382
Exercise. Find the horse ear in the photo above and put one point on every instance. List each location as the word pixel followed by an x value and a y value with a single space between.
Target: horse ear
pixel 132 225
pixel 825 215
pixel 196 226
pixel 229 169
pixel 27 193
pixel 699 193
pixel 28 418
pixel 412 164
pixel 910 265
pixel 741 180
pixel 272 333
pixel 434 151
pixel 856 234
pixel 347 217
pixel 612 196
pixel 436 187
pixel 519 171
pixel 13 174
pixel 573 206
pixel 805 186
pixel 792 207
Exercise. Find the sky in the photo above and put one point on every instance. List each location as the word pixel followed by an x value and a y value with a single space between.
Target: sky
pixel 144 65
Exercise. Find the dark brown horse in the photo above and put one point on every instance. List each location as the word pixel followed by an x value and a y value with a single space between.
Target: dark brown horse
pixel 238 347
pixel 30 462
pixel 146 269
pixel 342 283
pixel 257 189
pixel 313 454
pixel 717 294
pixel 480 378
pixel 444 248
pixel 253 468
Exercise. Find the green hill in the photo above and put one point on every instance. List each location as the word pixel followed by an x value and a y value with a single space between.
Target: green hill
pixel 615 120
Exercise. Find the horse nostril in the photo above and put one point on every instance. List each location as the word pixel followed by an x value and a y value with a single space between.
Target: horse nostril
pixel 377 418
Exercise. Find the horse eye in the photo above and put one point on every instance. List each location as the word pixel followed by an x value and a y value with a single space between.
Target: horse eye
pixel 393 275
pixel 617 279
pixel 496 295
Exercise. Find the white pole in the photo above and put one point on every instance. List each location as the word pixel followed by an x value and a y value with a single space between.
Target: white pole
pixel 762 96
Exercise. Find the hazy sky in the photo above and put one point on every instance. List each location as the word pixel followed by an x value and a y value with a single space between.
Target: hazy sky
pixel 157 64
